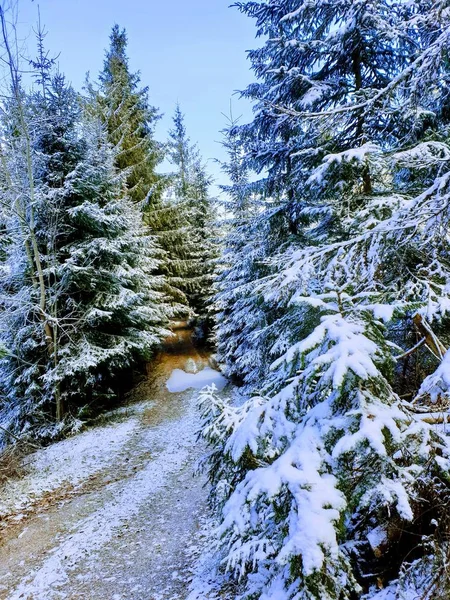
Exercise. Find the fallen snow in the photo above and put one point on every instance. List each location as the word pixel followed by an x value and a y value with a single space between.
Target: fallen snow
pixel 179 380
pixel 388 593
pixel 437 385
pixel 377 538
pixel 71 461
pixel 143 491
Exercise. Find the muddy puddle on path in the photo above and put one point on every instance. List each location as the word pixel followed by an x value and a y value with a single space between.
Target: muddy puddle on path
pixel 179 353
pixel 132 527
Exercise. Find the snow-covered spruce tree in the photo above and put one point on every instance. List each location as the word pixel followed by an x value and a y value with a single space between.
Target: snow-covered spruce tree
pixel 129 119
pixel 240 315
pixel 283 150
pixel 192 249
pixel 330 483
pixel 112 299
pixel 103 302
pixel 324 487
pixel 130 122
pixel 54 114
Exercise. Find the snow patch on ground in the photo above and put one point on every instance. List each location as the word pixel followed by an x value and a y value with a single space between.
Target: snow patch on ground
pixel 70 461
pixel 179 380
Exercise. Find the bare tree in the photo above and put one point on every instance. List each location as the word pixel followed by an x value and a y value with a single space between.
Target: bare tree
pixel 23 195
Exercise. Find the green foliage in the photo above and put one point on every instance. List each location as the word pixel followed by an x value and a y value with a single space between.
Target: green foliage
pixel 104 308
pixel 129 120
pixel 189 242
pixel 336 263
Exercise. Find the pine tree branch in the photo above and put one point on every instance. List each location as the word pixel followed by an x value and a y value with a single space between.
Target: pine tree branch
pixel 411 350
pixel 438 44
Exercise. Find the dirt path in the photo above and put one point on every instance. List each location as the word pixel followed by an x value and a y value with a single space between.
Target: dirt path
pixel 128 530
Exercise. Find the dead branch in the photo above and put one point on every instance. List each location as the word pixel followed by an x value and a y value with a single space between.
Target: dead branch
pixel 431 339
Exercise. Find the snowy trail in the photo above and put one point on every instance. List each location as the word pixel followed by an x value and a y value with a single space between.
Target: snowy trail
pixel 132 528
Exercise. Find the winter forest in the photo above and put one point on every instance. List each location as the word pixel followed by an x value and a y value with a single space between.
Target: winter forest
pixel 241 395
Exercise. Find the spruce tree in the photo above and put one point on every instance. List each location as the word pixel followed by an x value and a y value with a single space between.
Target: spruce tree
pixel 107 270
pixel 239 306
pixel 40 148
pixel 130 120
pixel 103 303
pixel 191 253
pixel 329 476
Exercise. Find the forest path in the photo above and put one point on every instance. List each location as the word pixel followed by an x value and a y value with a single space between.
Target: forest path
pixel 127 530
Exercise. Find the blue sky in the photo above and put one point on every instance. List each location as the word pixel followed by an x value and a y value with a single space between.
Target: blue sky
pixel 193 51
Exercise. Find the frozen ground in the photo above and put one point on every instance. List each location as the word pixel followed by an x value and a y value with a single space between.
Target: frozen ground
pixel 114 513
